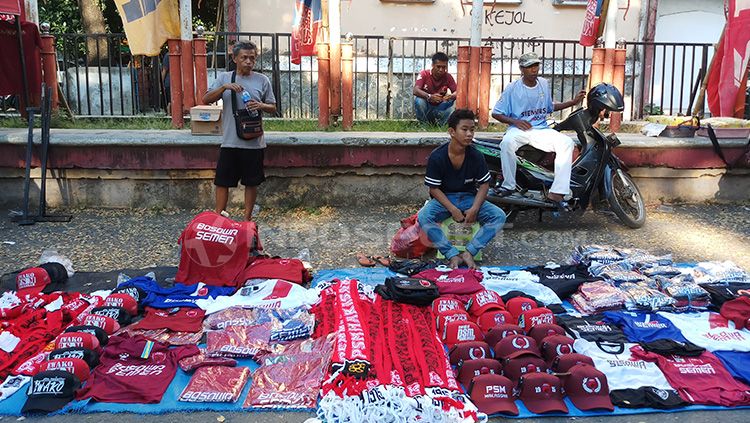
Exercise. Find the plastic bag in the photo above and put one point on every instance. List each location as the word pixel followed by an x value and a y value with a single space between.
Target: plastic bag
pixel 52 256
pixel 410 241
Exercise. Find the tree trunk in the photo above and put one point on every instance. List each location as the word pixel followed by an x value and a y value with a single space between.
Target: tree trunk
pixel 93 23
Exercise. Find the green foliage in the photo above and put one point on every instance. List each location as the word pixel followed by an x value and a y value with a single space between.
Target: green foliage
pixel 652 109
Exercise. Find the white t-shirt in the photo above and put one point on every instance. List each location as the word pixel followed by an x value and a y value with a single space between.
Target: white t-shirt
pixel 272 294
pixel 710 331
pixel 503 281
pixel 623 370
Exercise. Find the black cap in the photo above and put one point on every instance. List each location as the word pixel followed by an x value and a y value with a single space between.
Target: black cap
pixel 85 354
pixel 50 391
pixel 100 334
pixel 137 293
pixel 118 313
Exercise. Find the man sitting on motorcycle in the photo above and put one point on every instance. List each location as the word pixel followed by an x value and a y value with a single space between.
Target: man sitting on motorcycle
pixel 458 179
pixel 524 105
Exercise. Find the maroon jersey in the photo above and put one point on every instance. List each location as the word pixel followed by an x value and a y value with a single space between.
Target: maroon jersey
pixel 426 82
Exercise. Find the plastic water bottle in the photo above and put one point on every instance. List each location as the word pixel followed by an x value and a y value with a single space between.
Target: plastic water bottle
pixel 246 99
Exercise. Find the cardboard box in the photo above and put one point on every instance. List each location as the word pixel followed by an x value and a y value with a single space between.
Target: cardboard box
pixel 205 120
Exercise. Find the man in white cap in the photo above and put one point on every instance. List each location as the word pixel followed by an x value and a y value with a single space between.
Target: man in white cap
pixel 524 107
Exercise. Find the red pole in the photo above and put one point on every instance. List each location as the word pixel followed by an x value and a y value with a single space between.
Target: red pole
pixel 597 66
pixel 188 78
pixel 609 65
pixel 334 54
pixel 618 80
pixel 463 77
pixel 175 83
pixel 473 96
pixel 201 70
pixel 324 111
pixel 347 92
pixel 485 81
pixel 49 66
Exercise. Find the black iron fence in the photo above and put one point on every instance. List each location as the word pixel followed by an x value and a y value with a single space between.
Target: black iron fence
pixel 99 76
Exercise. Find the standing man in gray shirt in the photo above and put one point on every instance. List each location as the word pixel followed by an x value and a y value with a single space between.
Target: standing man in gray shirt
pixel 240 160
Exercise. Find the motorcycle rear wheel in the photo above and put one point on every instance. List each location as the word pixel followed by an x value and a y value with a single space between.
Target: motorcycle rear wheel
pixel 626 200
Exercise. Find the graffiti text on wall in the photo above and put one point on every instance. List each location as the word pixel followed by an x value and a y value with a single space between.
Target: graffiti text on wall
pixel 506 17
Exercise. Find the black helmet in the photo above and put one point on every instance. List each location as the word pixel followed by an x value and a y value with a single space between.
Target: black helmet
pixel 605 96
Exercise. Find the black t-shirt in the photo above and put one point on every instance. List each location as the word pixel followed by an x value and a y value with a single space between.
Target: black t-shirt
pixel 723 292
pixel 668 347
pixel 647 397
pixel 592 328
pixel 564 280
pixel 441 173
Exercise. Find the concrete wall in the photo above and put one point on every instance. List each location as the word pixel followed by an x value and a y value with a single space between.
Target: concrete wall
pixel 443 18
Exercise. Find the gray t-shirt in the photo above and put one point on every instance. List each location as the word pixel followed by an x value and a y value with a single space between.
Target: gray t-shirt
pixel 259 87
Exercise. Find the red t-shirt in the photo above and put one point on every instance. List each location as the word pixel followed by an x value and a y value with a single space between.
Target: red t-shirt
pixel 699 380
pixel 426 82
pixel 125 377
pixel 215 249
pixel 10 61
pixel 457 281
pixel 291 270
pixel 178 319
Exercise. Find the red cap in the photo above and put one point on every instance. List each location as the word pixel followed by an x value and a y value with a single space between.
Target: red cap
pixel 469 351
pixel 469 369
pixel 483 301
pixel 535 317
pixel 32 281
pixel 518 305
pixel 71 365
pixel 492 318
pixel 497 333
pixel 122 300
pixel 525 364
pixel 451 316
pixel 443 304
pixel 107 323
pixel 556 345
pixel 542 393
pixel 457 332
pixel 77 340
pixel 493 394
pixel 587 388
pixel 738 311
pixel 516 345
pixel 540 332
pixel 563 363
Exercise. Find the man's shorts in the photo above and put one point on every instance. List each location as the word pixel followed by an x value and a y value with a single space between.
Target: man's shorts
pixel 240 164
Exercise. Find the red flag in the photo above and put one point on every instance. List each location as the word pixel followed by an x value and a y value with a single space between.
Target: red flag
pixel 308 16
pixel 10 7
pixel 591 22
pixel 730 61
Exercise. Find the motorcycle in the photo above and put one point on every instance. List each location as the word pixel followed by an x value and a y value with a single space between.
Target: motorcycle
pixel 597 173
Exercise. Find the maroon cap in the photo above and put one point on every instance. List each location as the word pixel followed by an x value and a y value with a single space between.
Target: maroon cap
pixel 443 304
pixel 542 393
pixel 125 301
pixel 71 365
pixel 493 394
pixel 556 345
pixel 738 311
pixel 451 316
pixel 563 363
pixel 77 340
pixel 457 332
pixel 483 301
pixel 518 305
pixel 516 345
pixel 492 318
pixel 472 368
pixel 469 351
pixel 514 368
pixel 32 281
pixel 540 332
pixel 535 317
pixel 497 333
pixel 587 388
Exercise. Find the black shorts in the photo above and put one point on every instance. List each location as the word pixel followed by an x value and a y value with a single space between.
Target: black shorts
pixel 240 164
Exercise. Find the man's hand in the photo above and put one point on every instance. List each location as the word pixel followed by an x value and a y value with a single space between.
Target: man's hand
pixel 254 105
pixel 458 215
pixel 435 99
pixel 449 97
pixel 471 216
pixel 522 124
pixel 579 97
pixel 234 87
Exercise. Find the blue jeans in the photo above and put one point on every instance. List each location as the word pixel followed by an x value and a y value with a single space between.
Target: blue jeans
pixel 432 215
pixel 433 113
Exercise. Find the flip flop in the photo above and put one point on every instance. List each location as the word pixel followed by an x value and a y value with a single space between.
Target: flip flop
pixel 365 261
pixel 383 260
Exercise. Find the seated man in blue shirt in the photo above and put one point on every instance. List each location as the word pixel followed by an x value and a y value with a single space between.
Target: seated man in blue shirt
pixel 459 179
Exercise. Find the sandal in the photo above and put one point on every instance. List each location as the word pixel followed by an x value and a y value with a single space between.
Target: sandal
pixel 382 260
pixel 365 261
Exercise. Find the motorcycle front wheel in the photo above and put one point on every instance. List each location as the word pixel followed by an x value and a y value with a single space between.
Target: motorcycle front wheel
pixel 625 200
